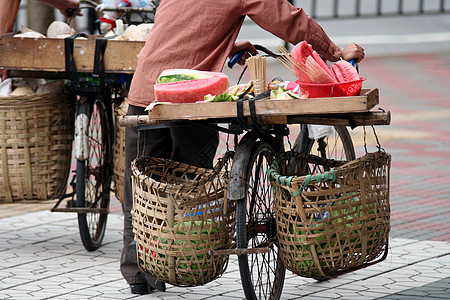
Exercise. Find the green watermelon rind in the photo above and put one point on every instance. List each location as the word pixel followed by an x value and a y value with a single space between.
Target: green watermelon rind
pixel 175 78
pixel 174 75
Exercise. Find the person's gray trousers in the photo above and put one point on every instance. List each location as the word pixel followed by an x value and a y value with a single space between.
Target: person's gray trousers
pixel 195 145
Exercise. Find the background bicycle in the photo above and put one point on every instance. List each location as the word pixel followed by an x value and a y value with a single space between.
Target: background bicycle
pixel 92 88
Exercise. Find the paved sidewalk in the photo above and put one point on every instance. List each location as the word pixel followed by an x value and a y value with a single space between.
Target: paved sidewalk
pixel 41 255
pixel 42 258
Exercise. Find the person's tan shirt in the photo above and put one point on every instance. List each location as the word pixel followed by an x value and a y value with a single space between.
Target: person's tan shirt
pixel 199 34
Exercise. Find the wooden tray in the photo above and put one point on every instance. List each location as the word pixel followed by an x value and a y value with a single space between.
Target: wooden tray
pixel 44 54
pixel 267 108
pixel 347 111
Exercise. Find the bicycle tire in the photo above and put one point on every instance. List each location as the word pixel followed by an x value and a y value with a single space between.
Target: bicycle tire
pixel 93 176
pixel 262 274
pixel 338 146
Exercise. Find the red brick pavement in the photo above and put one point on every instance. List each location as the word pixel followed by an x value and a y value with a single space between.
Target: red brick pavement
pixel 417 86
pixel 416 89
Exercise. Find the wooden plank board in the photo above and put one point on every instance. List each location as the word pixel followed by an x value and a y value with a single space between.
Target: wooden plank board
pixel 348 119
pixel 44 54
pixel 267 108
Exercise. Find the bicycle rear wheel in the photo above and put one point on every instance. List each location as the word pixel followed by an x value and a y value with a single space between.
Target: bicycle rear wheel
pixel 93 176
pixel 262 274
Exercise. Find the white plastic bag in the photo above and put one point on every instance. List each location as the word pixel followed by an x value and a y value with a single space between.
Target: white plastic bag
pixel 319 131
pixel 5 87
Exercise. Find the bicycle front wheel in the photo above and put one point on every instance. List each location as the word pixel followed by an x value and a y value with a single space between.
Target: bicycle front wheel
pixel 93 176
pixel 337 146
pixel 262 274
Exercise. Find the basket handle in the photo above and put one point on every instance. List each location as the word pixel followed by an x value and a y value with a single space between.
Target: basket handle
pixel 316 261
pixel 376 138
pixel 298 201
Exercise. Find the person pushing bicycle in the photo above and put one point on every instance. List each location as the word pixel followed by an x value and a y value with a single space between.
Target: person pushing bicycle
pixel 201 35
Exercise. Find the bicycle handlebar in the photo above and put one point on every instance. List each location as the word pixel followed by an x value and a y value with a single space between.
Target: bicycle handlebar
pixel 235 59
pixel 268 52
pixel 70 12
pixel 239 54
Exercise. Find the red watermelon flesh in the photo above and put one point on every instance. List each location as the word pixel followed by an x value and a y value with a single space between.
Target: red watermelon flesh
pixel 301 51
pixel 345 71
pixel 191 91
pixel 323 65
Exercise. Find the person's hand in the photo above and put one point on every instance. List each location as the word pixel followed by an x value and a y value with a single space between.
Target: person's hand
pixel 69 8
pixel 352 51
pixel 243 45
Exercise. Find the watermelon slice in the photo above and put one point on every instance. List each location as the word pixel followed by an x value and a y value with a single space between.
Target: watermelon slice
pixel 314 69
pixel 301 51
pixel 191 91
pixel 241 90
pixel 316 73
pixel 345 72
pixel 323 65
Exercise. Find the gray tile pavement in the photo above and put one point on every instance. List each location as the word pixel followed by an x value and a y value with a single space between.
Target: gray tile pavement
pixel 41 257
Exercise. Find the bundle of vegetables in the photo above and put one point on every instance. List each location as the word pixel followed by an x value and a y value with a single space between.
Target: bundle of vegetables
pixel 326 233
pixel 194 260
pixel 309 67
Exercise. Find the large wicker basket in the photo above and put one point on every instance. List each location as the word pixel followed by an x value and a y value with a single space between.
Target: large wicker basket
pixel 119 150
pixel 180 213
pixel 336 218
pixel 36 142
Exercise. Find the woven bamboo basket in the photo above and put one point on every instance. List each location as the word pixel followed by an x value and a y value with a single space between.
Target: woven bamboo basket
pixel 119 150
pixel 335 219
pixel 180 213
pixel 36 143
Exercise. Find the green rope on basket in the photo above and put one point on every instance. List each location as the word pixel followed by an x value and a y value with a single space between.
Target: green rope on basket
pixel 298 192
pixel 286 180
pixel 325 176
pixel 270 172
pixel 274 176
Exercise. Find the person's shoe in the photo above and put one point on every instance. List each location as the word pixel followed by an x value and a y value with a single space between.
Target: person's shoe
pixel 155 284
pixel 140 288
